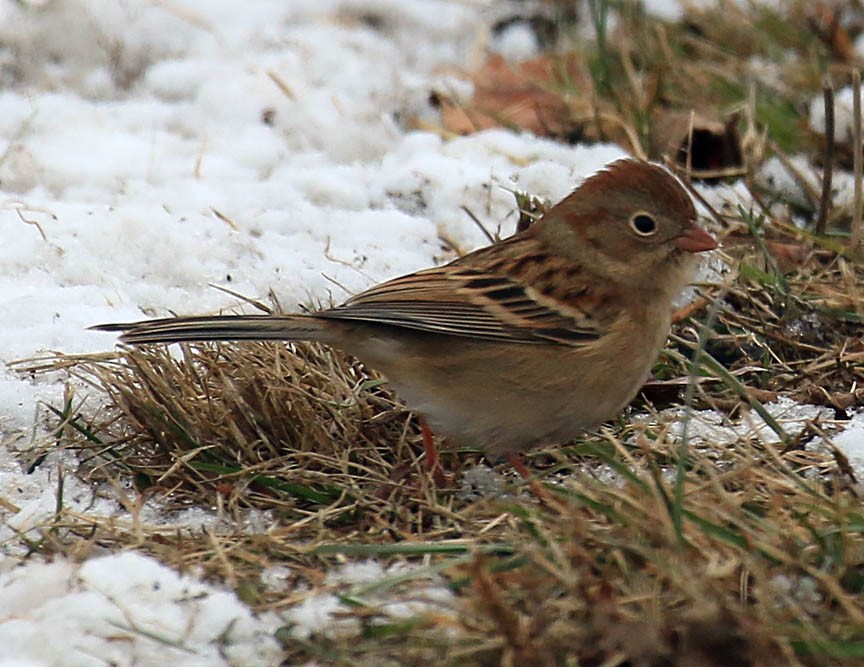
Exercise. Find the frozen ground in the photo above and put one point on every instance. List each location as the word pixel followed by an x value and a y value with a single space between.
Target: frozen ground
pixel 151 149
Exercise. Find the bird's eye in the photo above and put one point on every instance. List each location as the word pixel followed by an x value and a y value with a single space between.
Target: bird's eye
pixel 643 224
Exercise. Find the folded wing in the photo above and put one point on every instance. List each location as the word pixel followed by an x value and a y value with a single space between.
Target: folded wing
pixel 465 301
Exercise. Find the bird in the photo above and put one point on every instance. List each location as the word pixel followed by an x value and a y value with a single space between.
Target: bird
pixel 524 343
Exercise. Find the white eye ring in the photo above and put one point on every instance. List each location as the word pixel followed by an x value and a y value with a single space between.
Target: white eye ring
pixel 643 224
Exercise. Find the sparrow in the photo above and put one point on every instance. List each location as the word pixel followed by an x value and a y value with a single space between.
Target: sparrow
pixel 524 343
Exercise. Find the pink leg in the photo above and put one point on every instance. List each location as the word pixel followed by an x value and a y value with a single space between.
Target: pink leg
pixel 515 459
pixel 433 464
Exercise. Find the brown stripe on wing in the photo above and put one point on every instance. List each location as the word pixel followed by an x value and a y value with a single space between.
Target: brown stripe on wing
pixel 461 299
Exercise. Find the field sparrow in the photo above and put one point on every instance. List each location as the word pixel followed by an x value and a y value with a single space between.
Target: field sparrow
pixel 523 343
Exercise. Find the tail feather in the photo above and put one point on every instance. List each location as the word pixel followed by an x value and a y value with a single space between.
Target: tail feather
pixel 216 328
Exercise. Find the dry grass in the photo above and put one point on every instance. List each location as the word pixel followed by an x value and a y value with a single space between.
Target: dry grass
pixel 290 429
pixel 757 558
pixel 661 553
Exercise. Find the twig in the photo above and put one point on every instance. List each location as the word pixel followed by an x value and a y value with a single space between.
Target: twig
pixel 31 222
pixel 855 240
pixel 489 236
pixel 810 191
pixel 282 85
pixel 828 166
pixel 721 172
pixel 255 303
pixel 689 167
pixel 224 218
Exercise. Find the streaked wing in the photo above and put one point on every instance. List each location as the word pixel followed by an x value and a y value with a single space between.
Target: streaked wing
pixel 461 299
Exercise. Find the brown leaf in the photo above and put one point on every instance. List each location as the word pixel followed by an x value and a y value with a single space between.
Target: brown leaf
pixel 788 256
pixel 549 96
pixel 510 96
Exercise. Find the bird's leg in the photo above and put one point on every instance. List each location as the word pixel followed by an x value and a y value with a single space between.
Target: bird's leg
pixel 433 463
pixel 540 492
pixel 518 463
pixel 689 309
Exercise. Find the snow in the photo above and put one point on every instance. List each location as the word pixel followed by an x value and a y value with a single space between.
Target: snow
pixel 151 149
pixel 126 609
pixel 707 426
pixel 324 613
pixel 851 442
pixel 516 42
pixel 844 100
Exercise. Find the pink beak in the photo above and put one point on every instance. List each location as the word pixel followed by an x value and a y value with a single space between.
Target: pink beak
pixel 695 239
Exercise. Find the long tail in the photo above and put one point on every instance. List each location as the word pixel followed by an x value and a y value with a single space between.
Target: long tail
pixel 222 327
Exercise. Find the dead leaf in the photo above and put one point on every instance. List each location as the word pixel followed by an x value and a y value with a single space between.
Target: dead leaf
pixel 788 256
pixel 548 95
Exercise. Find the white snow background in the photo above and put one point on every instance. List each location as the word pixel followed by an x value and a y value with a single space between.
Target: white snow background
pixel 159 147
